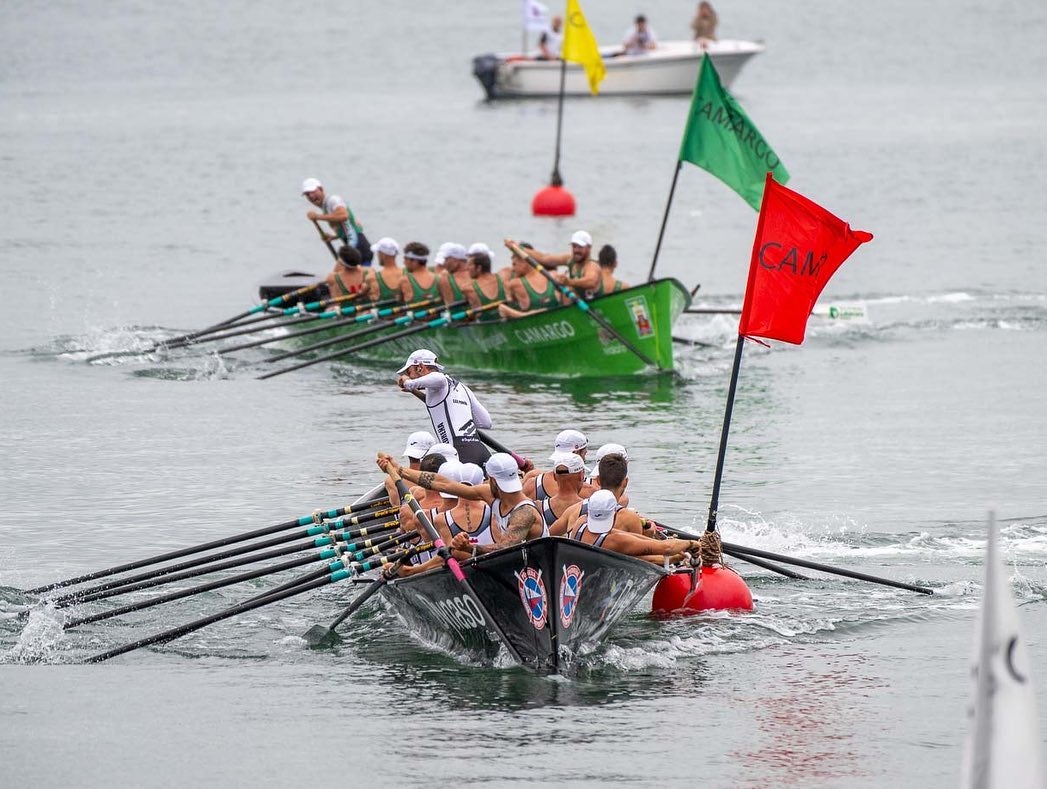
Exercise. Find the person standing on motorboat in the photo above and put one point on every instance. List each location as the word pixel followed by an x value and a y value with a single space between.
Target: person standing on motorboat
pixel 418 282
pixel 335 211
pixel 704 24
pixel 583 273
pixel 455 412
pixel 640 38
pixel 550 41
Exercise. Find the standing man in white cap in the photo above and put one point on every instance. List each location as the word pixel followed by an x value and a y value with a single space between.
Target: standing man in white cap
pixel 335 211
pixel 455 412
pixel 583 273
pixel 385 284
pixel 514 517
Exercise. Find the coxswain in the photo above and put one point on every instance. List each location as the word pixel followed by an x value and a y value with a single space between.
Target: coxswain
pixel 335 211
pixel 529 291
pixel 348 277
pixel 455 278
pixel 486 287
pixel 594 522
pixel 418 283
pixel 385 284
pixel 583 273
pixel 540 485
pixel 454 411
pixel 514 517
pixel 608 262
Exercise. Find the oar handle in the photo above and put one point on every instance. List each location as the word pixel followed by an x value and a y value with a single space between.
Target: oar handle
pixel 326 240
pixel 524 463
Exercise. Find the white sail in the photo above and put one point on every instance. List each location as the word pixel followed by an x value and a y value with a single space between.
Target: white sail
pixel 1003 746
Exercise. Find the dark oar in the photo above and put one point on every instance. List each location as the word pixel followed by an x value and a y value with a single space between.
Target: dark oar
pixel 436 322
pixel 583 305
pixel 260 307
pixel 173 633
pixel 498 446
pixel 452 563
pixel 315 518
pixel 214 563
pixel 318 635
pixel 324 555
pixel 410 312
pixel 326 240
pixel 750 559
pixel 741 552
pixel 347 313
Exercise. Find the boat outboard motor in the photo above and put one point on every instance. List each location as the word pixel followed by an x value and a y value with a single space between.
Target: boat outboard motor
pixel 286 281
pixel 485 69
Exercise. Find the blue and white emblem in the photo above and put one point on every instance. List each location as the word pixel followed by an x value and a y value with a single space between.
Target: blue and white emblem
pixel 570 589
pixel 532 593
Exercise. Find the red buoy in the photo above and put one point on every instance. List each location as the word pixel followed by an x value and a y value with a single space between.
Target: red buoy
pixel 553 201
pixel 718 589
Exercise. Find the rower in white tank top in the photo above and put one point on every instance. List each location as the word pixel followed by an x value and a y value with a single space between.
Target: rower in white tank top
pixel 502 521
pixel 481 535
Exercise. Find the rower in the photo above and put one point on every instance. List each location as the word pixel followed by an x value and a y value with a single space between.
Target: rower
pixel 530 291
pixel 569 471
pixel 455 278
pixel 594 523
pixel 608 262
pixel 447 450
pixel 613 474
pixel 583 273
pixel 540 485
pixel 430 462
pixel 486 287
pixel 593 480
pixel 348 277
pixel 425 560
pixel 418 282
pixel 514 517
pixel 470 517
pixel 418 444
pixel 453 408
pixel 386 282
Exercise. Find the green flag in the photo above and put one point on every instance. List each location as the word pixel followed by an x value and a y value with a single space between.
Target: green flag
pixel 721 139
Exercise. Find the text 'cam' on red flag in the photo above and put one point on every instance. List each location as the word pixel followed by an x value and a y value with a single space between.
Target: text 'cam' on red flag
pixel 798 247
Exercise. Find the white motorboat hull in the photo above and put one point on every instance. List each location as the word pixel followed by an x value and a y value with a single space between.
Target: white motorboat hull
pixel 670 69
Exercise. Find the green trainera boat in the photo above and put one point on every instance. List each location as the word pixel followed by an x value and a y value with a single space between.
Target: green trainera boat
pixel 563 342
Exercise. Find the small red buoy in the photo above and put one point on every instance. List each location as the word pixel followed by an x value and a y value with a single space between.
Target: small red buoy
pixel 553 201
pixel 719 589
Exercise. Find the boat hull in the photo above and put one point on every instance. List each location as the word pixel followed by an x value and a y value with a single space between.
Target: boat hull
pixel 563 342
pixel 555 599
pixel 671 69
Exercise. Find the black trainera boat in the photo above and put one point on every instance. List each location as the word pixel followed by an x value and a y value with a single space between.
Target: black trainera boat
pixel 554 598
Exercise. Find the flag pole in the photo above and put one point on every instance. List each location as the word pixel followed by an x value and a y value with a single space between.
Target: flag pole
pixel 665 218
pixel 715 500
pixel 556 180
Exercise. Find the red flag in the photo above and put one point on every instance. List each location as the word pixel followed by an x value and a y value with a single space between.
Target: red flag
pixel 798 247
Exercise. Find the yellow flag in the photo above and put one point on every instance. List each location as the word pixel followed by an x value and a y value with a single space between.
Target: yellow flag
pixel 579 46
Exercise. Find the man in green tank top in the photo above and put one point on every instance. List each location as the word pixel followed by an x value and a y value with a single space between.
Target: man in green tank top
pixel 608 261
pixel 486 287
pixel 529 291
pixel 418 282
pixel 455 278
pixel 386 281
pixel 583 274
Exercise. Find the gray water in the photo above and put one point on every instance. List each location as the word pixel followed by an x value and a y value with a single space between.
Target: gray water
pixel 151 157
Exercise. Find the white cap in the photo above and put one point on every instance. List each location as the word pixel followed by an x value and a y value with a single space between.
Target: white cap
pixel 503 469
pixel 569 441
pixel 418 444
pixel 456 251
pixel 573 462
pixel 421 356
pixel 480 246
pixel 602 506
pixel 451 469
pixel 386 246
pixel 611 449
pixel 471 474
pixel 311 185
pixel 441 254
pixel 447 450
pixel 582 239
